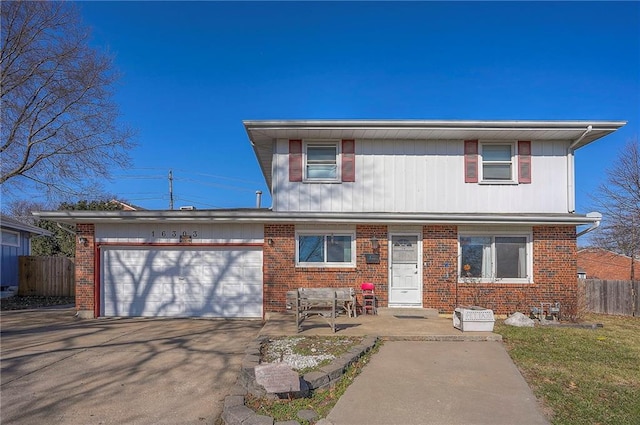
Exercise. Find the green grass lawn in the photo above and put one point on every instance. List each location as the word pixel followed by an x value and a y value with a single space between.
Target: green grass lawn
pixel 583 376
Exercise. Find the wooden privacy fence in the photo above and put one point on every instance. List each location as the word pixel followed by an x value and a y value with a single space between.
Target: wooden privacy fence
pixel 46 276
pixel 611 296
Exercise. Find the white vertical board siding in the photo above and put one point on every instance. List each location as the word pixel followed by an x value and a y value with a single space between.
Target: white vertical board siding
pixel 204 232
pixel 424 176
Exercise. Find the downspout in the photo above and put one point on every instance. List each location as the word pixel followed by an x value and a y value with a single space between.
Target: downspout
pixel 571 195
pixel 596 223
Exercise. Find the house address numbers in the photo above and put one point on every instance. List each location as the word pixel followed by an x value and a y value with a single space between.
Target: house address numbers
pixel 174 234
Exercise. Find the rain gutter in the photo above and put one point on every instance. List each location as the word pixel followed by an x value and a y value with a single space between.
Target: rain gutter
pixel 597 217
pixel 267 216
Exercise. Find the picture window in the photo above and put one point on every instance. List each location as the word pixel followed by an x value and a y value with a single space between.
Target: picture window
pixel 317 249
pixel 493 258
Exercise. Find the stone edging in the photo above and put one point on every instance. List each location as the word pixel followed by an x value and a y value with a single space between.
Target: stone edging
pixel 235 412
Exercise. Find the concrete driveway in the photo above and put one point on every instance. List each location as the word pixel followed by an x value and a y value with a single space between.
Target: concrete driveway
pixel 56 369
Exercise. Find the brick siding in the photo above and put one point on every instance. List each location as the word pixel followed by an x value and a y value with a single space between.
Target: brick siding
pixel 281 274
pixel 85 268
pixel 554 269
pixel 440 258
pixel 606 265
pixel 554 258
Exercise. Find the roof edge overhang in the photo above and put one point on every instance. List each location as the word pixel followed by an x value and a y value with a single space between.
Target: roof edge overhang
pixel 263 133
pixel 270 217
pixel 433 124
pixel 32 230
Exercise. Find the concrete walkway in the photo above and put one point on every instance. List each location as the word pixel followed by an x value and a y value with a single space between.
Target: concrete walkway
pixel 443 382
pixel 427 372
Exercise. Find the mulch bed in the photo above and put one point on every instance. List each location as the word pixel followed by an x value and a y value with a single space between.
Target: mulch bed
pixel 27 302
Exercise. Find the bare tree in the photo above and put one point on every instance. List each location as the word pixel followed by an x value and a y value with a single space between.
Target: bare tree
pixel 60 126
pixel 619 200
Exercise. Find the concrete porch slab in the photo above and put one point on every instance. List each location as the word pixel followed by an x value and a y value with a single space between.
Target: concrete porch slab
pixel 401 326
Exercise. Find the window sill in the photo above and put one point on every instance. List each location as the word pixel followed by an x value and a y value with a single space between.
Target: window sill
pixel 321 181
pixel 514 281
pixel 499 182
pixel 325 267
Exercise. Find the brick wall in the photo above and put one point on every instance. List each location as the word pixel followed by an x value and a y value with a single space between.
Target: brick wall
pixel 554 250
pixel 440 257
pixel 555 269
pixel 281 274
pixel 607 265
pixel 554 276
pixel 554 258
pixel 85 268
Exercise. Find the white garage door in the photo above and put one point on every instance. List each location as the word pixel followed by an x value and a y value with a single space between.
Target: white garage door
pixel 216 282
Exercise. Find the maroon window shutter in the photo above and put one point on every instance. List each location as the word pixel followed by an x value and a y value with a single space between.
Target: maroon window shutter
pixel 471 161
pixel 295 160
pixel 348 160
pixel 524 161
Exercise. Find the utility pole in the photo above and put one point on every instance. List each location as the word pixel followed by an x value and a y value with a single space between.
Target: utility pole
pixel 170 189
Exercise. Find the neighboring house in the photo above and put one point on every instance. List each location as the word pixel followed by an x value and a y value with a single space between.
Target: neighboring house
pixel 16 241
pixel 599 263
pixel 126 207
pixel 435 213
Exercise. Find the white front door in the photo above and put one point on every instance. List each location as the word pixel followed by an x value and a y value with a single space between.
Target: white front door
pixel 405 286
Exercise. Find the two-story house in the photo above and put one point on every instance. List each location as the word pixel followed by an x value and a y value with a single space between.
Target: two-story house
pixel 435 213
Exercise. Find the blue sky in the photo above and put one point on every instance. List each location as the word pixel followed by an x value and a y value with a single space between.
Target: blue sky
pixel 192 71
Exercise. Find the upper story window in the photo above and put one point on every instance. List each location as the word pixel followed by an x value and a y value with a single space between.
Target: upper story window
pixel 321 161
pixel 497 162
pixel 10 238
pixel 491 258
pixel 321 249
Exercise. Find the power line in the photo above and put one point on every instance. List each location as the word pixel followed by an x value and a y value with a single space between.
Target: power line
pixel 222 186
pixel 170 189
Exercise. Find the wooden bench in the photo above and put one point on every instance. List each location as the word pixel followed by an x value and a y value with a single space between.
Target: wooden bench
pixel 346 300
pixel 325 302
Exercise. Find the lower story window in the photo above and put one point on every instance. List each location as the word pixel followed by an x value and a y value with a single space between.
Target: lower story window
pixel 325 250
pixel 491 258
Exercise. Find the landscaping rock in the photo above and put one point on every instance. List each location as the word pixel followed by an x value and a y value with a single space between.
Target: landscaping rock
pixel 277 377
pixel 233 400
pixel 258 420
pixel 519 320
pixel 316 379
pixel 334 370
pixel 307 415
pixel 236 415
pixel 303 392
pixel 238 389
